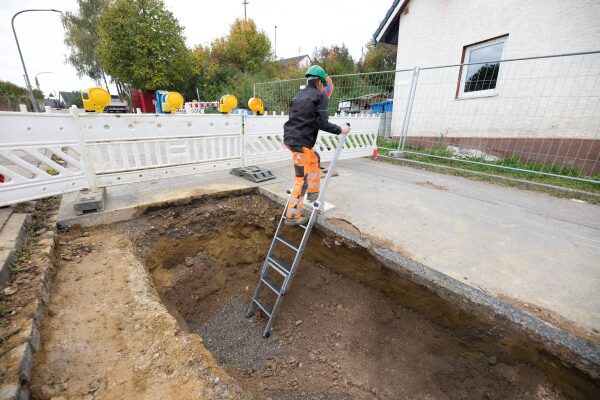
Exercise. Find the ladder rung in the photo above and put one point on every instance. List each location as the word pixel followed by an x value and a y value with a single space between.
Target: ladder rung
pixel 287 243
pixel 278 265
pixel 271 284
pixel 263 307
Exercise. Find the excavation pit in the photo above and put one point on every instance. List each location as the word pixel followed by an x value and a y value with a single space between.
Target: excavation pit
pixel 351 326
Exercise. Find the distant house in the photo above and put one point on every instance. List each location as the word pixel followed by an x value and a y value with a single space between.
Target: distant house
pixel 52 102
pixel 65 97
pixel 302 61
pixel 529 100
pixel 361 104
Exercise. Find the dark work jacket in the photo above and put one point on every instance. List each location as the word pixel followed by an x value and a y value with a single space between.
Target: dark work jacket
pixel 308 114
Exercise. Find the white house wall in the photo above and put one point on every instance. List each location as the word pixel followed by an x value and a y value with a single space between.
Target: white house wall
pixel 555 97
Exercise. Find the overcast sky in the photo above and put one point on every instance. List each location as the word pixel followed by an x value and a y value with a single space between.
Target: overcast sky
pixel 41 33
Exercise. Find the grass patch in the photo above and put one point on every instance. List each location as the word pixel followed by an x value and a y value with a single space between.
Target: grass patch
pixel 386 145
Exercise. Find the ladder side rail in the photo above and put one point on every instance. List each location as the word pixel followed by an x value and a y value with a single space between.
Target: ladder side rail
pixel 300 250
pixel 252 306
pixel 309 225
pixel 336 156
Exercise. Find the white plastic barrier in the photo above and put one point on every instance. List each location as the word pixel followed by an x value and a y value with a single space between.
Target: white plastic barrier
pixel 264 138
pixel 49 154
pixel 136 147
pixel 39 156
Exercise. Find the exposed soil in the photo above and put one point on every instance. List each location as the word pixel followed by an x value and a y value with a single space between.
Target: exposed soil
pixel 345 329
pixel 106 334
pixel 349 328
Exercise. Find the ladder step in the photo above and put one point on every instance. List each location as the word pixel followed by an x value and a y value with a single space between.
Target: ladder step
pixel 263 307
pixel 278 265
pixel 271 284
pixel 287 243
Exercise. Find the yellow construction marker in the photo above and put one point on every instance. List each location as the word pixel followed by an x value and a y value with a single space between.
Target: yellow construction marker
pixel 95 99
pixel 227 103
pixel 173 102
pixel 256 105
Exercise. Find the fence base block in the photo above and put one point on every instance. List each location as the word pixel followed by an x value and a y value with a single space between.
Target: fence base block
pixel 397 154
pixel 90 201
pixel 253 173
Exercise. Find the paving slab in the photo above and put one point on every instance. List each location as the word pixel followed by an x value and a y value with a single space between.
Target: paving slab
pixel 7 258
pixel 12 238
pixel 5 212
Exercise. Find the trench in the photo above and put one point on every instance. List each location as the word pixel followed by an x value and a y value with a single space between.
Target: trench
pixel 350 327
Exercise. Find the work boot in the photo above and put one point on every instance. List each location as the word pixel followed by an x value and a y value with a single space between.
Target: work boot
pixel 296 221
pixel 312 196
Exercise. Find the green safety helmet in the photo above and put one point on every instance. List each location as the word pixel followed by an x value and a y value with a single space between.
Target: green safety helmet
pixel 316 70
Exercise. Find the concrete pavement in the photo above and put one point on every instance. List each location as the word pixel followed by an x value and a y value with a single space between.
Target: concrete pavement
pixel 530 248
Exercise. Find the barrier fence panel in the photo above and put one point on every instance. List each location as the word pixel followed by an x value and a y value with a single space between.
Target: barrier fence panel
pixel 45 154
pixel 352 94
pixel 39 156
pixel 536 115
pixel 137 147
pixel 264 138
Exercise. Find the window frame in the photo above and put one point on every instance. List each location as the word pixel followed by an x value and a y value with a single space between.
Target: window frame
pixel 462 73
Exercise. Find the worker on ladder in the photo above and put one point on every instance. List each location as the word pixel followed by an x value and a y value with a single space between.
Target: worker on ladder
pixel 308 115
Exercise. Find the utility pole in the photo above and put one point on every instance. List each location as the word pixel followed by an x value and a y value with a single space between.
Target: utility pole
pixel 37 83
pixel 27 81
pixel 275 41
pixel 245 3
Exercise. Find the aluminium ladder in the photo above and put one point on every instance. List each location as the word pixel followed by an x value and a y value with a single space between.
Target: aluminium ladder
pixel 273 263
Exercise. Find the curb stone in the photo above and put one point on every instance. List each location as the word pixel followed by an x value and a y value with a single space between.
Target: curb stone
pixel 17 351
pixel 12 239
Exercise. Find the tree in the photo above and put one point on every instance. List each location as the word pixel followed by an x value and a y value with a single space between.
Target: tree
pixel 142 44
pixel 379 57
pixel 231 64
pixel 245 47
pixel 10 89
pixel 211 75
pixel 335 60
pixel 82 38
pixel 75 100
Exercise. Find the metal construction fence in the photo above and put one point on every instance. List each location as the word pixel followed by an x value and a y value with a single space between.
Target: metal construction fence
pixel 533 114
pixel 46 154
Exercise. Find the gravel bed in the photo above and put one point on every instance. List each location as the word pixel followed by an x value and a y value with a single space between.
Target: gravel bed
pixel 236 340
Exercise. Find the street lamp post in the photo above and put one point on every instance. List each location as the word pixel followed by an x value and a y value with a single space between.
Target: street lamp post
pixel 275 41
pixel 37 83
pixel 27 82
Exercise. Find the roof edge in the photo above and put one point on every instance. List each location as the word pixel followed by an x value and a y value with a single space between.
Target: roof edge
pixel 392 14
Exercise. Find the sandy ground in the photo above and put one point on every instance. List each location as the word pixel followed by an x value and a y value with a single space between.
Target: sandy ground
pixel 107 334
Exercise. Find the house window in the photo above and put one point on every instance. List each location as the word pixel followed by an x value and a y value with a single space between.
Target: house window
pixel 480 78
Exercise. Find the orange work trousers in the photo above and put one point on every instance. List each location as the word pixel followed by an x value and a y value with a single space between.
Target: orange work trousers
pixel 307 178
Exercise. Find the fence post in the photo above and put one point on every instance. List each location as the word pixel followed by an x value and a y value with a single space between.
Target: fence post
pixel 409 104
pixel 254 91
pixel 244 141
pixel 84 158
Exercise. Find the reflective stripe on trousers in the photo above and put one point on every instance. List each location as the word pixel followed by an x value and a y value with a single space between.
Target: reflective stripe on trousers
pixel 307 178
